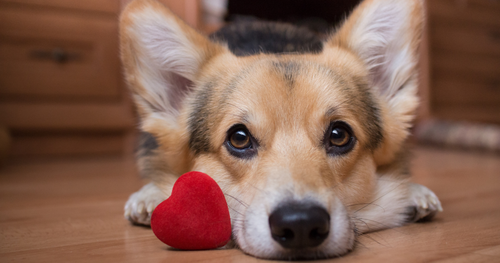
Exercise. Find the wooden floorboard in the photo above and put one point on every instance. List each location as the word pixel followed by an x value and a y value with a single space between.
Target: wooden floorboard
pixel 72 211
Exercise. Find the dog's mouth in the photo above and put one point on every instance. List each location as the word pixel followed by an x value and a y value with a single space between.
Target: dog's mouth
pixel 296 231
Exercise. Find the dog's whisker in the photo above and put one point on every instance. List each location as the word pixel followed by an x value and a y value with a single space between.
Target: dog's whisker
pixel 378 198
pixel 366 204
pixel 361 244
pixel 355 230
pixel 376 222
pixel 238 200
pixel 236 211
pixel 381 237
pixel 257 188
pixel 362 221
pixel 374 240
pixel 380 223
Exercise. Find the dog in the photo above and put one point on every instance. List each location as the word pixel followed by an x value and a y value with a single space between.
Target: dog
pixel 306 137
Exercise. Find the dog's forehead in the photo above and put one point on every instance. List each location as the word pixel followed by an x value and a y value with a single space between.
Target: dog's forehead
pixel 291 86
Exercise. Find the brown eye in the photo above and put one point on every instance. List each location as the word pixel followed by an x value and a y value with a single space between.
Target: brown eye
pixel 339 137
pixel 240 143
pixel 240 139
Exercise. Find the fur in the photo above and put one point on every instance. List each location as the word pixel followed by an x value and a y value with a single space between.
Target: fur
pixel 190 92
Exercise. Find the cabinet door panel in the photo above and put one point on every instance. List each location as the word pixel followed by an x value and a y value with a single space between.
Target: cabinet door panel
pixel 108 6
pixel 476 12
pixel 57 55
pixel 66 116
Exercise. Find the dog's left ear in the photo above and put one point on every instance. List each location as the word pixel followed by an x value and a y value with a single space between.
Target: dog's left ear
pixel 163 57
pixel 385 35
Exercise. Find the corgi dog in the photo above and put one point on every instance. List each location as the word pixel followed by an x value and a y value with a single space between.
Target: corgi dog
pixel 306 138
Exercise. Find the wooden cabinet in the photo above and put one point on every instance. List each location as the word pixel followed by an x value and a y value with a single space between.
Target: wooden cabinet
pixel 62 90
pixel 464 42
pixel 51 55
pixel 61 87
pixel 61 84
pixel 110 7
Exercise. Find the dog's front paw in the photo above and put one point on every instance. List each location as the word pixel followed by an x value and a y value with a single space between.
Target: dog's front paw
pixel 140 205
pixel 425 203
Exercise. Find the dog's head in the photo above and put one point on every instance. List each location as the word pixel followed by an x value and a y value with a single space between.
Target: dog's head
pixel 294 140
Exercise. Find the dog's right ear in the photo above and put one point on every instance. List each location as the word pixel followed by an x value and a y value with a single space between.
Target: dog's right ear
pixel 385 35
pixel 162 57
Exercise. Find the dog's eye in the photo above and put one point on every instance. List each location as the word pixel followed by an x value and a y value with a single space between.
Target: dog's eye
pixel 240 143
pixel 339 138
pixel 240 139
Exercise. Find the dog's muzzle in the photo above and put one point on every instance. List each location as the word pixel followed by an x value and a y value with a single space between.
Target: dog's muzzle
pixel 299 225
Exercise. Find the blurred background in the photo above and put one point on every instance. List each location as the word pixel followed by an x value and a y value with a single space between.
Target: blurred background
pixel 62 91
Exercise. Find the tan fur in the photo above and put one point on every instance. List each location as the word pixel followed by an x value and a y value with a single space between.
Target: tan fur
pixel 288 116
pixel 397 126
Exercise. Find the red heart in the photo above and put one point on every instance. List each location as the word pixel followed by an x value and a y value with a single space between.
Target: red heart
pixel 195 216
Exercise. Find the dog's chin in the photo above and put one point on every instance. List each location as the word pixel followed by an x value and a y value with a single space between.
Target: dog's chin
pixel 253 237
pixel 322 252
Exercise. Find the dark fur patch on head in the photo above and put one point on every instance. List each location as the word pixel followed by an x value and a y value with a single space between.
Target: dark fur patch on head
pixel 147 144
pixel 361 101
pixel 288 69
pixel 235 80
pixel 254 37
pixel 199 140
pixel 371 112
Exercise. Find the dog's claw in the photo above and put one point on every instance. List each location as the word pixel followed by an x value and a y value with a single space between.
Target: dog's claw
pixel 426 203
pixel 127 213
pixel 150 208
pixel 140 208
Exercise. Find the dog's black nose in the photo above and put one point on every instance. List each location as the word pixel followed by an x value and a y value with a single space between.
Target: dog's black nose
pixel 296 225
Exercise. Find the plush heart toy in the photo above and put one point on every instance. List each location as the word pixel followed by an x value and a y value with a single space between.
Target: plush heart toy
pixel 195 216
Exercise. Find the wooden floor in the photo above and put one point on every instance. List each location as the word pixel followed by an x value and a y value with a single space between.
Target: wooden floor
pixel 71 211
